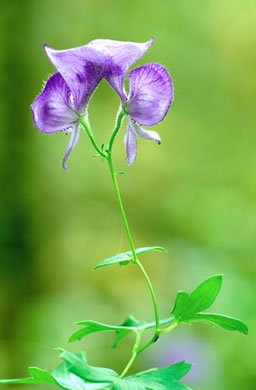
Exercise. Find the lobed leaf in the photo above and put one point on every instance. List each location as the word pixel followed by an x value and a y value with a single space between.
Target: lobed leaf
pixel 186 305
pixel 223 321
pixel 130 325
pixel 125 257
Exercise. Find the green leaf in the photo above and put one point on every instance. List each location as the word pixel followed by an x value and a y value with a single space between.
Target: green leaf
pixel 89 373
pixel 65 375
pixel 200 299
pixel 125 257
pixel 188 307
pixel 159 379
pixel 223 321
pixel 130 324
pixel 69 381
pixel 37 376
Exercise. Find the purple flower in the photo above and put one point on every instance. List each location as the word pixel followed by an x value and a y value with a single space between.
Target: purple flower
pixel 64 99
pixel 151 90
pixel 66 94
pixel 150 96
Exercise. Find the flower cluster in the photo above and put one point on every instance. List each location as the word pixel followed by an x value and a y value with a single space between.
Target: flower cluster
pixel 65 97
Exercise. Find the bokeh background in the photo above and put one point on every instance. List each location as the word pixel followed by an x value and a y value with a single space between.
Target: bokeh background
pixel 195 194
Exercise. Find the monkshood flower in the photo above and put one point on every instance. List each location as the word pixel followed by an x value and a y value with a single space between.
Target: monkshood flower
pixel 150 92
pixel 150 96
pixel 66 94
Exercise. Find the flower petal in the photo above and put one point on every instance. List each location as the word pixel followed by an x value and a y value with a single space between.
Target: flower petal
pixel 121 55
pixel 147 134
pixel 51 109
pixel 151 93
pixel 82 68
pixel 130 141
pixel 72 143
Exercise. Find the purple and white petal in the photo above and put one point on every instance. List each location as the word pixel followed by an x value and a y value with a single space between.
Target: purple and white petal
pixel 147 134
pixel 151 93
pixel 72 143
pixel 130 141
pixel 120 56
pixel 52 108
pixel 82 68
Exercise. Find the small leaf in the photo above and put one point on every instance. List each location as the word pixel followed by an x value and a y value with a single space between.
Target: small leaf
pixel 125 257
pixel 186 305
pixel 223 321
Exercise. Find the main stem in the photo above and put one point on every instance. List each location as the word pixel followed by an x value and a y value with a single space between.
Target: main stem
pixel 108 156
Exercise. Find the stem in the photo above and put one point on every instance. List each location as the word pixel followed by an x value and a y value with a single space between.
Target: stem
pixel 108 156
pixel 134 354
pixel 152 294
pixel 91 137
pixel 116 129
pixel 121 206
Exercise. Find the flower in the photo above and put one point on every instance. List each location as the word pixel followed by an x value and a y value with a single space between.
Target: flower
pixel 150 95
pixel 66 94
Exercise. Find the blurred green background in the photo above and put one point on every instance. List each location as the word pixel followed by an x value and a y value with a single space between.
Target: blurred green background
pixel 195 194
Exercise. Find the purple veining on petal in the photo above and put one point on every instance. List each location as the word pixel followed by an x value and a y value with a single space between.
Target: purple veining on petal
pixel 151 93
pixel 52 109
pixel 147 134
pixel 82 68
pixel 130 141
pixel 72 143
pixel 119 57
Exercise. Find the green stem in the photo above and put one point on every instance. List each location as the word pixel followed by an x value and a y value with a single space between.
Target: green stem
pixel 151 292
pixel 108 156
pixel 91 137
pixel 121 206
pixel 134 354
pixel 116 129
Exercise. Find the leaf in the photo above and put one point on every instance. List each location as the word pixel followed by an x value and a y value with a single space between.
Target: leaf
pixel 62 376
pixel 223 321
pixel 125 257
pixel 186 305
pixel 130 324
pixel 82 369
pixel 69 381
pixel 159 379
pixel 37 376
